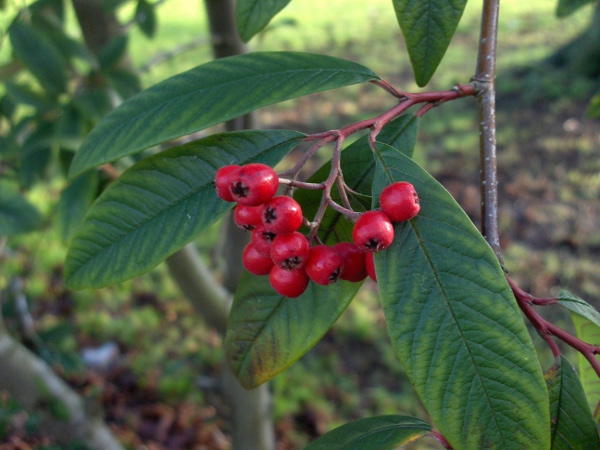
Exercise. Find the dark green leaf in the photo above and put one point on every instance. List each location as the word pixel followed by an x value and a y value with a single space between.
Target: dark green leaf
pixel 358 166
pixel 94 103
pixel 145 16
pixel 251 16
pixel 573 426
pixel 267 333
pixel 428 27
pixel 373 433
pixel 36 153
pixel 565 8
pixel 17 215
pixel 111 54
pixel 126 83
pixel 208 94
pixel 40 56
pixel 160 204
pixel 74 202
pixel 588 332
pixel 24 94
pixel 579 306
pixel 455 324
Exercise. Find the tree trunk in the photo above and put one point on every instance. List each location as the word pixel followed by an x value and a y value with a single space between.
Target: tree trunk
pixel 582 55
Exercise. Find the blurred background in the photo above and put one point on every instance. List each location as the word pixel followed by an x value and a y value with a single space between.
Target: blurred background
pixel 139 351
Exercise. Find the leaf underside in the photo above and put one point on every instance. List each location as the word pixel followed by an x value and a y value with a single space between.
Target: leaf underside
pixel 251 16
pixel 373 433
pixel 588 331
pixel 428 27
pixel 211 93
pixel 161 204
pixel 454 323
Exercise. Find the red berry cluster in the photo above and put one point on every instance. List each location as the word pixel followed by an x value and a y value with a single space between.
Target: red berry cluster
pixel 277 249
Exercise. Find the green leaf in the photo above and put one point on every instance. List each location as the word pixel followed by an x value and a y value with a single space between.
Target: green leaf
pixel 358 166
pixel 145 16
pixel 588 331
pixel 573 426
pixel 428 27
pixel 373 433
pixel 251 16
pixel 74 202
pixel 214 92
pixel 112 53
pixel 40 56
pixel 160 204
pixel 17 215
pixel 455 324
pixel 267 333
pixel 24 94
pixel 565 8
pixel 126 83
pixel 579 306
pixel 594 109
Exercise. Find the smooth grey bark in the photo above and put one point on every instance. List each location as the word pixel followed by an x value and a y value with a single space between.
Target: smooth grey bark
pixel 35 386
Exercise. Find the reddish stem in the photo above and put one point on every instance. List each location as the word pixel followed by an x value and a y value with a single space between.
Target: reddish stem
pixel 441 439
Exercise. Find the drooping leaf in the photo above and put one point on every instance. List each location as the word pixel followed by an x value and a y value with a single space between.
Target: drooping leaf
pixel 452 319
pixel 428 27
pixel 251 16
pixel 39 55
pixel 145 16
pixel 373 433
pixel 267 333
pixel 589 332
pixel 112 53
pixel 579 306
pixel 573 426
pixel 126 83
pixel 358 166
pixel 74 202
pixel 565 8
pixel 160 204
pixel 214 92
pixel 17 214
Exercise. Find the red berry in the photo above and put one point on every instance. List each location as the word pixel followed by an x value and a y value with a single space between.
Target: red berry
pixel 373 231
pixel 253 184
pixel 353 257
pixel 247 217
pixel 222 181
pixel 289 283
pixel 262 240
pixel 256 263
pixel 324 265
pixel 370 265
pixel 399 201
pixel 282 215
pixel 290 251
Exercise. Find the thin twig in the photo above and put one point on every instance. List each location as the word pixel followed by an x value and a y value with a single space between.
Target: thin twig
pixel 486 99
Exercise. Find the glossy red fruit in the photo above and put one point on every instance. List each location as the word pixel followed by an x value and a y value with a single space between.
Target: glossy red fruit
pixel 289 283
pixel 282 215
pixel 324 265
pixel 400 201
pixel 247 217
pixel 290 251
pixel 353 268
pixel 256 263
pixel 262 240
pixel 222 181
pixel 373 231
pixel 253 184
pixel 370 265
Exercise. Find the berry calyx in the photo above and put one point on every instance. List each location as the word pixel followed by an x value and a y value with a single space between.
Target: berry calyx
pixel 256 263
pixel 373 231
pixel 222 182
pixel 262 240
pixel 247 217
pixel 353 268
pixel 282 215
pixel 290 251
pixel 370 266
pixel 253 184
pixel 400 201
pixel 324 265
pixel 289 283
